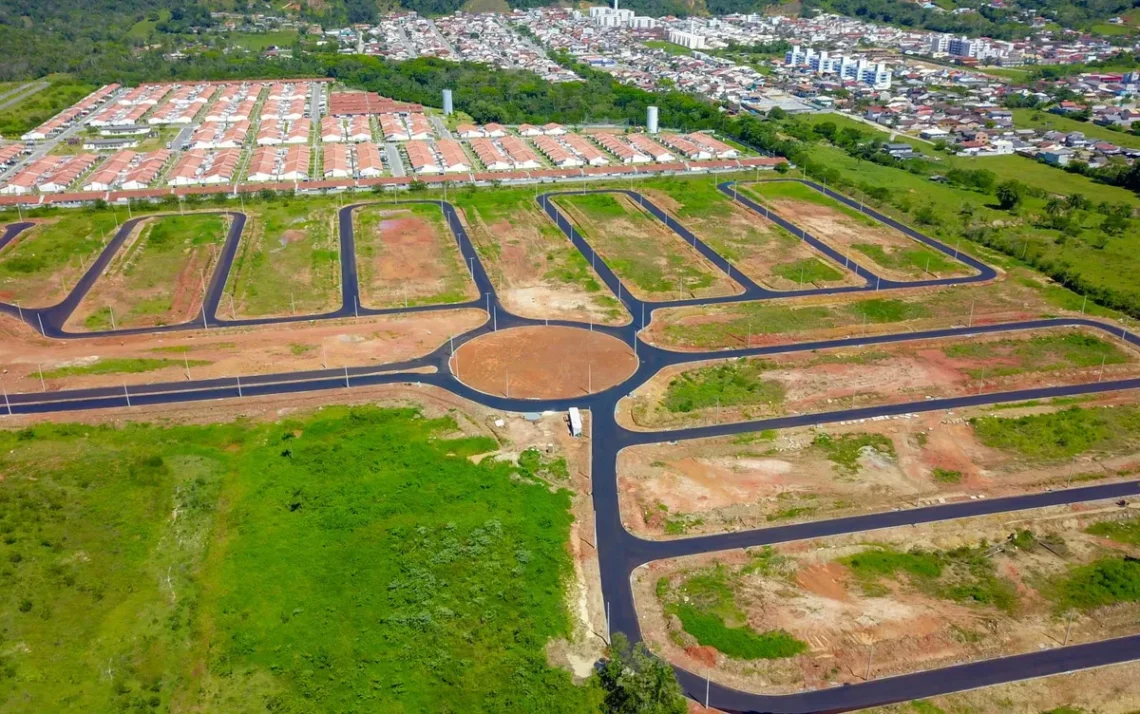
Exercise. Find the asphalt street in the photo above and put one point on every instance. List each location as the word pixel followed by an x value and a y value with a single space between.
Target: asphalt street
pixel 619 552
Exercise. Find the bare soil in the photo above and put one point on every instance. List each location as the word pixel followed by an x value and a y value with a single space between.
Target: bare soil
pixel 818 601
pixel 414 260
pixel 759 480
pixel 229 351
pixel 532 363
pixel 825 380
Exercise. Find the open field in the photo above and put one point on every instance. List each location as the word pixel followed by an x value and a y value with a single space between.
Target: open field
pixel 744 389
pixel 1104 266
pixel 238 599
pixel 536 271
pixel 406 255
pixel 807 614
pixel 41 266
pixel 214 353
pixel 653 262
pixel 288 261
pixel 1020 296
pixel 763 479
pixel 158 277
pixel 883 250
pixel 757 247
pixel 30 112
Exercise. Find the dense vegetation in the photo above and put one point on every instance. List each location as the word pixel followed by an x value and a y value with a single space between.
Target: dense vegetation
pixel 736 383
pixel 351 561
pixel 1063 434
pixel 964 574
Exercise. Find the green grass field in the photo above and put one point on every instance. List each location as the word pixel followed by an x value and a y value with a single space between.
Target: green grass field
pixel 352 560
pixel 146 282
pixel 1041 353
pixel 668 47
pixel 44 262
pixel 113 365
pixel 289 259
pixel 1064 434
pixel 259 41
pixel 736 383
pixel 641 250
pixel 37 108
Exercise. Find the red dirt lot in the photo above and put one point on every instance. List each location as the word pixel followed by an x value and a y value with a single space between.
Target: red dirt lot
pixel 531 362
pixel 228 351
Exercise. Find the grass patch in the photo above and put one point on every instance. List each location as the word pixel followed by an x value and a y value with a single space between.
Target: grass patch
pixel 706 606
pixel 1103 582
pixel 351 559
pixel 668 47
pixel 923 259
pixel 947 476
pixel 738 383
pixel 32 267
pixel 115 365
pixel 1040 353
pixel 808 270
pixel 795 191
pixel 1127 532
pixel 261 41
pixel 1062 434
pixel 964 575
pixel 844 450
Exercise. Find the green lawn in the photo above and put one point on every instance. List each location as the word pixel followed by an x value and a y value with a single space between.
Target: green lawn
pixel 289 259
pixel 668 47
pixel 259 41
pixel 113 365
pixel 37 108
pixel 352 560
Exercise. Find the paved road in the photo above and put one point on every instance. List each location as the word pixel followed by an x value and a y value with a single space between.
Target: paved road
pixel 395 163
pixel 619 551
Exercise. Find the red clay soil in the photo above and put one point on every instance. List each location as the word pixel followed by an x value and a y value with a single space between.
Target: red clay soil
pixel 543 362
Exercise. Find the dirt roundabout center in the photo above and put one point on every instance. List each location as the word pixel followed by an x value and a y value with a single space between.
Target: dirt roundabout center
pixel 543 362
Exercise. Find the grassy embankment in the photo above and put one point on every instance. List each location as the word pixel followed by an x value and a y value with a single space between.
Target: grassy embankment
pixel 352 559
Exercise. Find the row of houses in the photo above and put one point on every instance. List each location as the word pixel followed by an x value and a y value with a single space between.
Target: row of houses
pixel 273 133
pixel 355 129
pixel 128 170
pixel 220 136
pixel 270 163
pixel 360 161
pixel 445 156
pixel 50 174
pixel 205 167
pixel 405 127
pixel 77 111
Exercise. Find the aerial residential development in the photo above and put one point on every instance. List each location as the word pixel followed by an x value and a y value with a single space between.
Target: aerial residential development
pixel 647 358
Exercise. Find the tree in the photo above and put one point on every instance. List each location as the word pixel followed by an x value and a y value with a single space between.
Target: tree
pixel 1009 194
pixel 636 682
pixel 966 213
pixel 782 168
pixel 1078 202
